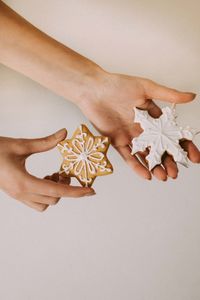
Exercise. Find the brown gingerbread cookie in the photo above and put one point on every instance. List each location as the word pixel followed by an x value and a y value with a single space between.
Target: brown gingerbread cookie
pixel 84 156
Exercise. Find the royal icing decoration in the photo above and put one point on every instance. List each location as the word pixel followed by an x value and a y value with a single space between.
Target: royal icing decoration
pixel 161 135
pixel 84 156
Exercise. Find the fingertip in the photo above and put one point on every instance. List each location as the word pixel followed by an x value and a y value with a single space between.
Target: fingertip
pixel 77 192
pixel 193 95
pixel 164 178
pixel 61 134
pixel 190 96
pixel 183 97
pixel 147 176
pixel 170 166
pixel 42 208
pixel 90 192
pixel 194 153
pixel 160 173
pixel 142 172
pixel 195 158
pixel 172 172
pixel 192 150
pixel 174 176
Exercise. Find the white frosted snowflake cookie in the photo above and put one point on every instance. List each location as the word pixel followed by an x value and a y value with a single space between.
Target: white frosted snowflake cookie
pixel 161 135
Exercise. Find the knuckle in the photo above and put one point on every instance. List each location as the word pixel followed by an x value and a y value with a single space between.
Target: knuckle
pixel 18 188
pixel 175 96
pixel 14 194
pixel 22 146
pixel 45 140
pixel 148 83
pixel 54 193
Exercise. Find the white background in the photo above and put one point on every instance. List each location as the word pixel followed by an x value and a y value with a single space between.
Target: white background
pixel 136 239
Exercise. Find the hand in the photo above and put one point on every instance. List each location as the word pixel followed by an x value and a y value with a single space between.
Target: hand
pixel 111 112
pixel 106 99
pixel 19 184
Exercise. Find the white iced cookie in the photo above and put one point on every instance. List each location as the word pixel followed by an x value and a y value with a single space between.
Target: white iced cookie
pixel 161 135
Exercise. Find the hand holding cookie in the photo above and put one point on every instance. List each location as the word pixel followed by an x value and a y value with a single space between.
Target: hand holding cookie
pixel 107 99
pixel 111 111
pixel 17 182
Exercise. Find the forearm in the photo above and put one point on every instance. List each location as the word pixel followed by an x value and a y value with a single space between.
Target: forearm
pixel 31 52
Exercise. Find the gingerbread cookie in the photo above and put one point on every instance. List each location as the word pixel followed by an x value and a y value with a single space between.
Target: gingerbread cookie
pixel 84 156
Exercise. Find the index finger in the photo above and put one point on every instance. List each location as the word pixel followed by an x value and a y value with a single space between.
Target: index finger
pixel 161 92
pixel 56 189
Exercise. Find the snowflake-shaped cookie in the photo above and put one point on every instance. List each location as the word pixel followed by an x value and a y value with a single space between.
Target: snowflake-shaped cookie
pixel 161 135
pixel 85 156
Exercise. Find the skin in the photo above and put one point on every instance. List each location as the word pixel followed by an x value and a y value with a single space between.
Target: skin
pixel 17 182
pixel 111 112
pixel 107 100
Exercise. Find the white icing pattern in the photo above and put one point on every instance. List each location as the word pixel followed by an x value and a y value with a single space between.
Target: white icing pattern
pixel 84 156
pixel 161 135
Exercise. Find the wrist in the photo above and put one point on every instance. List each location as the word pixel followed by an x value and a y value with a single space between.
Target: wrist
pixel 90 85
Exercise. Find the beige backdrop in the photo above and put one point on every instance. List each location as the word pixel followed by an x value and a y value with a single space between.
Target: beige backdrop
pixel 134 240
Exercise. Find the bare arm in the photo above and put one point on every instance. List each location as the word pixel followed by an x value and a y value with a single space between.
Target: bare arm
pixel 28 50
pixel 107 99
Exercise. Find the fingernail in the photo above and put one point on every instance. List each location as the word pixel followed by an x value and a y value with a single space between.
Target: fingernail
pixel 60 133
pixel 194 95
pixel 191 94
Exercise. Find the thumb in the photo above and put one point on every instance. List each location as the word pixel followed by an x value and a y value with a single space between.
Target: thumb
pixel 160 92
pixel 45 143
